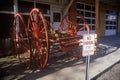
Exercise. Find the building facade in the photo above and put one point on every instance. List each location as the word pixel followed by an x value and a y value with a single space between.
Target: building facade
pixel 108 15
pixel 53 11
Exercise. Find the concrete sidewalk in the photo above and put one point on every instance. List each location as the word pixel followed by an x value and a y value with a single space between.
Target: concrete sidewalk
pixel 65 68
pixel 108 55
pixel 100 64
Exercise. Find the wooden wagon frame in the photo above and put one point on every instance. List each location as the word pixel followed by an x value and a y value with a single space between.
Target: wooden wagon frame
pixel 35 42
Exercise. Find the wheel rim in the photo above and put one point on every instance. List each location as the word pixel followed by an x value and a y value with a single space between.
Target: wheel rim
pixel 69 21
pixel 38 37
pixel 21 41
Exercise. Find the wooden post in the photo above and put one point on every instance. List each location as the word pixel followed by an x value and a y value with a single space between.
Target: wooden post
pixel 118 21
pixel 97 20
pixel 15 7
pixel 34 3
pixel 97 17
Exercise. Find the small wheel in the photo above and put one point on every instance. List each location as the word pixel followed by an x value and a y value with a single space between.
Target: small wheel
pixel 21 41
pixel 38 37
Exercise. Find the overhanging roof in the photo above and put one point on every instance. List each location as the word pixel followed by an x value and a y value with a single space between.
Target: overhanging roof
pixel 113 2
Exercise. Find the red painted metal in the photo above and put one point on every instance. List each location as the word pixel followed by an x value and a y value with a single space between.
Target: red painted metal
pixel 69 26
pixel 21 41
pixel 69 22
pixel 38 37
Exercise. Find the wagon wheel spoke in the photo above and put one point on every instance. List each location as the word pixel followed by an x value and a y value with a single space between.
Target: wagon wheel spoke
pixel 22 41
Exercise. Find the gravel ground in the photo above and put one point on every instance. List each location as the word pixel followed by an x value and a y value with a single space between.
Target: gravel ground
pixel 113 73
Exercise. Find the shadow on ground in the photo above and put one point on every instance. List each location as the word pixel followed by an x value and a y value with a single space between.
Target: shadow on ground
pixel 11 70
pixel 106 46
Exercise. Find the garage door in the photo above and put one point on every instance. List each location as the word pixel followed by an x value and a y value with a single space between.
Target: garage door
pixel 111 23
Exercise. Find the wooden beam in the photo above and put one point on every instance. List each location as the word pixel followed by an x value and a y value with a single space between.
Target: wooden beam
pixel 97 17
pixel 68 7
pixel 15 6
pixel 97 22
pixel 34 3
pixel 118 32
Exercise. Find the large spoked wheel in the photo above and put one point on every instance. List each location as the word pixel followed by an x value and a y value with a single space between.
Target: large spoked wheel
pixel 38 37
pixel 21 41
pixel 73 22
pixel 75 25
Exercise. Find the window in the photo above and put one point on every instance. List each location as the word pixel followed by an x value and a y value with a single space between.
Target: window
pixel 93 21
pixel 107 22
pixel 114 27
pixel 81 13
pixel 45 8
pixel 56 17
pixel 93 8
pixel 93 15
pixel 6 5
pixel 87 7
pixel 93 27
pixel 25 6
pixel 80 6
pixel 111 20
pixel 47 18
pixel 115 23
pixel 107 27
pixel 79 27
pixel 88 12
pixel 88 21
pixel 80 21
pixel 6 18
pixel 6 23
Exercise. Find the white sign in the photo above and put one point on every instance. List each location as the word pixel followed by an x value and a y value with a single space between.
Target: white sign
pixel 88 44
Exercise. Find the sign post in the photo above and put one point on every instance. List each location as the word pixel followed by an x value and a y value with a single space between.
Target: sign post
pixel 88 49
pixel 87 67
